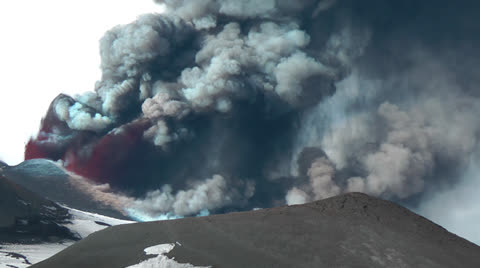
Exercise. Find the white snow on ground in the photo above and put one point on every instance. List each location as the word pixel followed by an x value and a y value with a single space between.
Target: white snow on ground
pixel 162 261
pixel 83 223
pixel 30 254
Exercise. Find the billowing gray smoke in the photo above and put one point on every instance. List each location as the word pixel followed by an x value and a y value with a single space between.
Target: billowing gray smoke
pixel 203 56
pixel 275 102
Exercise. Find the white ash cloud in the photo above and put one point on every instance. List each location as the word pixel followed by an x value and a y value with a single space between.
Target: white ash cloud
pixel 403 149
pixel 211 194
pixel 81 117
pixel 321 184
pixel 200 196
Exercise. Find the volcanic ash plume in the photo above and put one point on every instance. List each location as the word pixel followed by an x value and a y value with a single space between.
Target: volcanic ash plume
pixel 223 105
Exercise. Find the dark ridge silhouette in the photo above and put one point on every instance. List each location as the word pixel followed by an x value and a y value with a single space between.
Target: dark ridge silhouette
pixel 350 230
pixel 28 218
pixel 46 179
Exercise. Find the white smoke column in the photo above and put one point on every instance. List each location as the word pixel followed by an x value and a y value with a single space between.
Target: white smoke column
pixel 292 71
pixel 402 161
pixel 405 158
pixel 210 194
pixel 321 175
pixel 321 183
pixel 296 196
pixel 397 150
pixel 203 196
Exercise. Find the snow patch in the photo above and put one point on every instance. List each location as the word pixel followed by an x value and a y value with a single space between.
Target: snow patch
pixel 21 201
pixel 13 255
pixel 50 208
pixel 162 261
pixel 82 223
pixel 86 223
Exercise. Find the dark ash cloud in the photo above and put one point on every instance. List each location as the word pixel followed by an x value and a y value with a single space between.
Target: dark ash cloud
pixel 223 105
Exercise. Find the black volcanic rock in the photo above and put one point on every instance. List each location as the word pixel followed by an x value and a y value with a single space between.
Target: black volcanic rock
pixel 351 230
pixel 28 218
pixel 46 179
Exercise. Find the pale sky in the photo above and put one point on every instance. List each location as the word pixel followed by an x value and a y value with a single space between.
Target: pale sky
pixel 50 47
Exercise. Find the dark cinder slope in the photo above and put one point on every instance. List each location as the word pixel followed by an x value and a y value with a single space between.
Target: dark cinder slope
pixel 351 230
pixel 46 179
pixel 28 218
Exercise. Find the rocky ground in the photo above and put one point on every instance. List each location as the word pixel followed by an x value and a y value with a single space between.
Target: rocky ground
pixel 29 218
pixel 352 230
pixel 44 178
pixel 33 228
